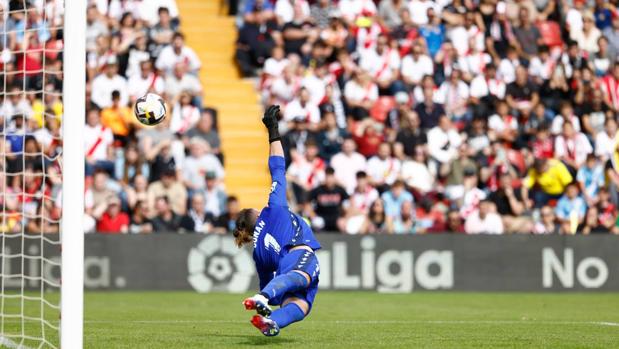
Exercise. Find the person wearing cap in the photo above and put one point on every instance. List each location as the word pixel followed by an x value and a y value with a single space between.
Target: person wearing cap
pixel 213 194
pixel 107 82
pixel 113 220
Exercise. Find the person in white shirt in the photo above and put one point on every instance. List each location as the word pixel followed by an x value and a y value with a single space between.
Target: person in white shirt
pixel 149 10
pixel 145 82
pixel 572 147
pixel 383 168
pixel 416 65
pixel 302 107
pixel 587 37
pixel 104 84
pixel 467 35
pixel 307 171
pixel 285 9
pixel 484 221
pixel 351 9
pixel 605 141
pixel 98 141
pixel 416 173
pixel 419 10
pixel 178 52
pixel 443 141
pixel 508 65
pixel 346 165
pixel 566 113
pixel 180 81
pixel 382 64
pixel 487 85
pixel 454 95
pixel 198 163
pixel 360 93
pixel 184 114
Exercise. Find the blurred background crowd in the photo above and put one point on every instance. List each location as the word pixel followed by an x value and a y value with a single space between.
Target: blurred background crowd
pixel 399 116
pixel 138 180
pixel 419 116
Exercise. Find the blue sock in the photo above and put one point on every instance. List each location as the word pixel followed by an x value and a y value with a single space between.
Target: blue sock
pixel 287 314
pixel 281 284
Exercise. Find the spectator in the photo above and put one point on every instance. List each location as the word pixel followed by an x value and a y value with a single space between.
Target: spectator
pixel 416 173
pixel 484 220
pixel 360 201
pixel 404 222
pixel 175 53
pixel 415 66
pixel 306 172
pixel 173 190
pixel 180 81
pixel 548 223
pixel 215 196
pixel 140 223
pixel 118 118
pixel 376 220
pixel 331 137
pixel 106 83
pixel 199 162
pixel 98 143
pixel 227 221
pixel 146 81
pixel 346 165
pixel 591 179
pixel 443 142
pixel 327 200
pixel 591 224
pixel 197 220
pixel 113 220
pixel 394 198
pixel 572 147
pixel 548 178
pixel 571 208
pixel 383 168
pixel 429 111
pixel 510 206
pixel 205 130
pixel 360 94
pixel 165 219
pixel 528 36
pixel 521 95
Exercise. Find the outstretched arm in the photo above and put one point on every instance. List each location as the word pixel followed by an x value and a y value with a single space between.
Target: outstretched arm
pixel 277 164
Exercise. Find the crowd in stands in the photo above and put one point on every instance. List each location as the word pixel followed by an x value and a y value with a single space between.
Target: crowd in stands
pixel 167 178
pixel 420 116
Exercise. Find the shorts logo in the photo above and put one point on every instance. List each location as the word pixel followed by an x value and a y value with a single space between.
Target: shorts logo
pixel 216 264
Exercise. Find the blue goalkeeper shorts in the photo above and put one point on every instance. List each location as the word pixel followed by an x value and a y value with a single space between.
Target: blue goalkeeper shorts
pixel 305 261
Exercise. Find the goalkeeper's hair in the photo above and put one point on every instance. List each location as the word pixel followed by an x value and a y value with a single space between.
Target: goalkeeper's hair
pixel 243 232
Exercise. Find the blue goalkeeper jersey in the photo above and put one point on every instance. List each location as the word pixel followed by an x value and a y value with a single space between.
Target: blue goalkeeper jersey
pixel 277 228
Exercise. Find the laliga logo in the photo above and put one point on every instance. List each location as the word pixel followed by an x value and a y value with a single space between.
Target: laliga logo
pixel 216 264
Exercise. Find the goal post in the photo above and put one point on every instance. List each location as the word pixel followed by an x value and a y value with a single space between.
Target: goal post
pixel 72 230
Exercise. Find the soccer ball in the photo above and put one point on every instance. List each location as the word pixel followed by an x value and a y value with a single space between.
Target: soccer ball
pixel 150 109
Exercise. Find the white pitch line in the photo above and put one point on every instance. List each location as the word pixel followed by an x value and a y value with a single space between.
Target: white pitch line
pixel 379 322
pixel 363 322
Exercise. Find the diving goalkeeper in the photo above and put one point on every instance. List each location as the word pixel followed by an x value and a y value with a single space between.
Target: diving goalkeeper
pixel 284 248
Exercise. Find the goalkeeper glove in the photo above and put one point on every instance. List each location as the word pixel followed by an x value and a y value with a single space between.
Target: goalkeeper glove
pixel 270 121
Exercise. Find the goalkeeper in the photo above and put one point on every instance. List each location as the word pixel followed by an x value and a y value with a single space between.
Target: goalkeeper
pixel 284 248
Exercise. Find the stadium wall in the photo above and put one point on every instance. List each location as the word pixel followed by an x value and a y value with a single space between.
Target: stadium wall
pixel 377 263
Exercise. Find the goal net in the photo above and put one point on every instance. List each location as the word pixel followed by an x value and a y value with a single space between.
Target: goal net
pixel 36 165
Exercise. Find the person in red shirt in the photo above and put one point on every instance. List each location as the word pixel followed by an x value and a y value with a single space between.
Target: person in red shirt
pixel 113 220
pixel 369 135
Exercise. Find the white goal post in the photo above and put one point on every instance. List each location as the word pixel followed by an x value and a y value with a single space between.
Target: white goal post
pixel 72 230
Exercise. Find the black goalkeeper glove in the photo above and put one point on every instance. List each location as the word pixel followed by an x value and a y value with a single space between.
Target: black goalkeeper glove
pixel 270 121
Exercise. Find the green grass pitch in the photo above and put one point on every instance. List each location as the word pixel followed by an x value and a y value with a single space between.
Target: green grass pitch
pixel 350 320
